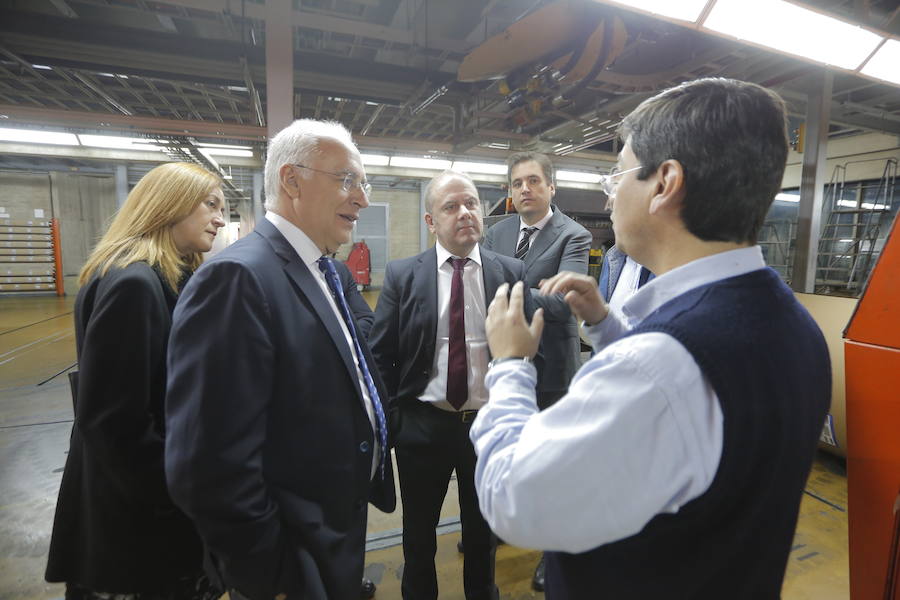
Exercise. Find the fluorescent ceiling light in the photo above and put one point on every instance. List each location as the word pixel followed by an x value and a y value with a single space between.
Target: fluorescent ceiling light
pixel 787 197
pixel 579 176
pixel 479 167
pixel 375 160
pixel 38 137
pixel 42 67
pixel 863 206
pixel 228 152
pixel 120 143
pixel 886 63
pixel 205 145
pixel 420 163
pixel 794 30
pixel 686 10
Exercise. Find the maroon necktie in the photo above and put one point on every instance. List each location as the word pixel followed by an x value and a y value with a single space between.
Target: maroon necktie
pixel 457 373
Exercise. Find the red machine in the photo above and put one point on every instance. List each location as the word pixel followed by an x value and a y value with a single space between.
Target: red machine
pixel 360 264
pixel 872 365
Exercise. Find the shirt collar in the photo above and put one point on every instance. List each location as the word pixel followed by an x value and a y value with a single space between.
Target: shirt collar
pixel 443 254
pixel 692 275
pixel 299 241
pixel 540 224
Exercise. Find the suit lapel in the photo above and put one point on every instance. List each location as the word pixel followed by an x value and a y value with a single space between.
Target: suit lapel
pixel 544 240
pixel 425 292
pixel 307 286
pixel 509 236
pixel 492 272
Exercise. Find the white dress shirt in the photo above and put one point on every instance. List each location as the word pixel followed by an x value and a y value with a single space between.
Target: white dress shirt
pixel 477 353
pixel 628 283
pixel 638 434
pixel 309 253
pixel 539 226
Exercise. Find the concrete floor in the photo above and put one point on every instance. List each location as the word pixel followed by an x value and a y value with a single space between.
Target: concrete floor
pixel 37 342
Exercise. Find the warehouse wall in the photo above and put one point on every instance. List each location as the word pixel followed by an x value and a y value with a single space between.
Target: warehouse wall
pixel 81 203
pixel 873 148
pixel 84 204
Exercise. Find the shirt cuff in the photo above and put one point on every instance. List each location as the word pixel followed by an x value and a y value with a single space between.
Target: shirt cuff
pixel 519 372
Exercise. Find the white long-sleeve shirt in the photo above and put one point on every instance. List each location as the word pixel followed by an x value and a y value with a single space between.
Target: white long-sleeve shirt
pixel 638 434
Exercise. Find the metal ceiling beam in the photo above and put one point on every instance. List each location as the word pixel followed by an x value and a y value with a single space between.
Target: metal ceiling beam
pixel 312 20
pixel 872 120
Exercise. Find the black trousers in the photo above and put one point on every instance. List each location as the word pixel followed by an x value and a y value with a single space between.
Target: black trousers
pixel 431 444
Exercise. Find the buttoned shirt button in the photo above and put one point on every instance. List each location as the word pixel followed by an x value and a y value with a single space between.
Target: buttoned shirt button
pixel 364 447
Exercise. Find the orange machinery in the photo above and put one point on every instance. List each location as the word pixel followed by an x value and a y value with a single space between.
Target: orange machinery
pixel 872 364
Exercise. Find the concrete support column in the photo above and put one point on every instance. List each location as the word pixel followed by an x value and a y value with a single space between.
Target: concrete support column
pixel 423 228
pixel 121 185
pixel 279 65
pixel 812 185
pixel 259 210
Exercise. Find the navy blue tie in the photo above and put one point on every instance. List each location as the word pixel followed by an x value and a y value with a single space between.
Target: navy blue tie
pixel 337 291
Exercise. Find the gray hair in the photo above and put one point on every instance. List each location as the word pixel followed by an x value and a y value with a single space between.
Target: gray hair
pixel 297 144
pixel 438 180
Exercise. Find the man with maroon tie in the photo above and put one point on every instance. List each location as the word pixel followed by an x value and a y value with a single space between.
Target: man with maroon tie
pixel 430 346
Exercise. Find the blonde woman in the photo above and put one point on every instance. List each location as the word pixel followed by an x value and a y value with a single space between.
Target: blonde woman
pixel 116 531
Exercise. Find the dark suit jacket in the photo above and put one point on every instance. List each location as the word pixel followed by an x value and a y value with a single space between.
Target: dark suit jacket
pixel 403 336
pixel 562 245
pixel 270 447
pixel 116 529
pixel 360 309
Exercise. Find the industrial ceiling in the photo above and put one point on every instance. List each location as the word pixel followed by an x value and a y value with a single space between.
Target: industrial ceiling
pixel 195 69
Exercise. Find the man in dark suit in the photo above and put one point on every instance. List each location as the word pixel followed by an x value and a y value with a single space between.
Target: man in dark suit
pixel 276 434
pixel 429 341
pixel 549 242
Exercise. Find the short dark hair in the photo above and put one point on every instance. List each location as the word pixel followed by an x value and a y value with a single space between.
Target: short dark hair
pixel 731 140
pixel 539 158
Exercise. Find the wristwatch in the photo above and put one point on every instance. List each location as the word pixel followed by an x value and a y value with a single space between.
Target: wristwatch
pixel 497 361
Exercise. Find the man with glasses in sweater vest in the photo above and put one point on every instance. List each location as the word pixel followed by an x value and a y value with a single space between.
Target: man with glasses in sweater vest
pixel 675 464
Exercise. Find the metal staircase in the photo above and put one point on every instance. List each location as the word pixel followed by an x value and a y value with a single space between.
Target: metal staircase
pixel 848 245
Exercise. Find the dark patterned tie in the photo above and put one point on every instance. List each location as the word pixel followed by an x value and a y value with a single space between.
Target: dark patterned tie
pixel 457 371
pixel 522 248
pixel 337 291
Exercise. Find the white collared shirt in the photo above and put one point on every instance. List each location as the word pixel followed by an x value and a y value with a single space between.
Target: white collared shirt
pixel 628 283
pixel 309 253
pixel 639 432
pixel 539 226
pixel 477 353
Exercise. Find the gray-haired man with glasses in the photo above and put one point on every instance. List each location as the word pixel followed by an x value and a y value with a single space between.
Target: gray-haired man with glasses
pixel 277 439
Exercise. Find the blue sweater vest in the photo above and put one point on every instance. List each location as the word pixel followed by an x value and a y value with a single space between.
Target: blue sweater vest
pixel 768 363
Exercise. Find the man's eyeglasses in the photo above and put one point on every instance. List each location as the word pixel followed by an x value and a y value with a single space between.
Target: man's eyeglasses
pixel 608 182
pixel 349 181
